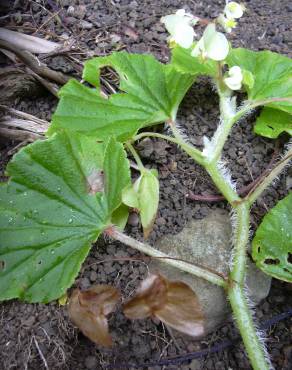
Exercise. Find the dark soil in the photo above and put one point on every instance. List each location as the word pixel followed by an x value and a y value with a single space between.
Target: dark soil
pixel 36 336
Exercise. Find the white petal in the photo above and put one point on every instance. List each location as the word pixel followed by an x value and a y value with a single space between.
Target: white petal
pixel 216 46
pixel 209 33
pixel 171 22
pixel 233 10
pixel 232 84
pixel 235 72
pixel 184 35
pixel 180 12
pixel 234 79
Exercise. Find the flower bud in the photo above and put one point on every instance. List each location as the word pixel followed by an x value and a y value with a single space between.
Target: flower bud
pixel 234 79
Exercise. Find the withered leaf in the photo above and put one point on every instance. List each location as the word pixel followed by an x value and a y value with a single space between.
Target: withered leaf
pixel 95 182
pixel 172 302
pixel 182 310
pixel 88 310
pixel 149 297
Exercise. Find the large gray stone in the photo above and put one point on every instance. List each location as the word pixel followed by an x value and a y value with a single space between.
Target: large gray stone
pixel 207 242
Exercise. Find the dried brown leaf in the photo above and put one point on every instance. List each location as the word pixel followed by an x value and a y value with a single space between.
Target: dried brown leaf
pixel 88 310
pixel 149 297
pixel 182 310
pixel 174 303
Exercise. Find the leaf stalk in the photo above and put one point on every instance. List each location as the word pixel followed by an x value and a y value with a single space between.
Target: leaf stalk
pixel 193 269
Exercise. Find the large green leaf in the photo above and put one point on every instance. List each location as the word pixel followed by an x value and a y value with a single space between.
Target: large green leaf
pixel 54 206
pixel 184 62
pixel 272 122
pixel 147 97
pixel 272 244
pixel 272 75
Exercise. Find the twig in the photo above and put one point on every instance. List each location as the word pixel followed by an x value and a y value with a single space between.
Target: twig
pixel 22 124
pixel 48 20
pixel 27 116
pixel 40 353
pixel 34 64
pixel 52 88
pixel 19 135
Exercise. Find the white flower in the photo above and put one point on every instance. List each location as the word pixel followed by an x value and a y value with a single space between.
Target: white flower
pixel 233 10
pixel 179 25
pixel 234 79
pixel 213 44
pixel 226 23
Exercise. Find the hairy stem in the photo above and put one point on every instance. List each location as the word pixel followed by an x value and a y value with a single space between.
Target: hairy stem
pixel 200 272
pixel 235 291
pixel 244 321
pixel 237 298
pixel 221 182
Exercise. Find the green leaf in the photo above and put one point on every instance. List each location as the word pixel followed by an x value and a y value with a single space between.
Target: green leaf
pixel 272 75
pixel 117 173
pixel 272 122
pixel 148 192
pixel 120 216
pixel 130 196
pixel 248 78
pixel 143 195
pixel 51 210
pixel 272 244
pixel 148 96
pixel 184 62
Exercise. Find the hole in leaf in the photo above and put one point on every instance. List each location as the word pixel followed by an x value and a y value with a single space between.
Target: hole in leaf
pixel 272 128
pixel 40 262
pixel 259 249
pixel 109 80
pixel 289 258
pixel 2 265
pixel 272 261
pixel 125 77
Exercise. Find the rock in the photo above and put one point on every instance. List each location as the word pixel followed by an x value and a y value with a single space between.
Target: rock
pixel 85 25
pixel 93 276
pixel 133 219
pixel 207 242
pixel 71 10
pixel 90 362
pixel 145 147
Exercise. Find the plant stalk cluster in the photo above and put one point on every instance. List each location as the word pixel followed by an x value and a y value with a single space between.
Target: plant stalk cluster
pixel 210 159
